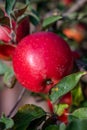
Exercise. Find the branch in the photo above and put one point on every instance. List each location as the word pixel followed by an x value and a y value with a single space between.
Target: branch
pixel 75 7
pixel 72 9
pixel 18 101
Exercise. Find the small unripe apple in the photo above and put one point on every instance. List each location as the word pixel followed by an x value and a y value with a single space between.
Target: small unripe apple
pixel 41 60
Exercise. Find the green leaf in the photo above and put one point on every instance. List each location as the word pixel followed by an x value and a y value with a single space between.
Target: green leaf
pixel 27 1
pixel 1 13
pixel 80 113
pixel 9 5
pixel 65 85
pixel 7 121
pixel 2 126
pixel 34 17
pixel 77 125
pixel 50 20
pixel 83 103
pixel 62 126
pixel 34 124
pixel 52 127
pixel 3 68
pixel 26 115
pixel 18 12
pixel 50 121
pixel 77 95
pixel 59 108
pixel 9 78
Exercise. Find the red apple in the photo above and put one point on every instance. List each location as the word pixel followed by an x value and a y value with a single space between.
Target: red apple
pixel 41 60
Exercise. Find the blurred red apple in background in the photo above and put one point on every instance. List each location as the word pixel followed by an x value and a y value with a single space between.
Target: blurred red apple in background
pixel 76 33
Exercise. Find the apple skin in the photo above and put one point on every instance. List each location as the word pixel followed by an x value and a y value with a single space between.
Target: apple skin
pixel 6 51
pixel 22 30
pixel 76 55
pixel 41 60
pixel 5 33
pixel 66 99
pixel 50 105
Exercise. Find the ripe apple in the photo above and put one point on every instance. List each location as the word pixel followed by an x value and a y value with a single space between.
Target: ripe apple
pixel 41 60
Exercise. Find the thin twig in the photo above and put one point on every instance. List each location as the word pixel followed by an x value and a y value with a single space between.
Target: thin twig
pixel 75 7
pixel 72 9
pixel 18 101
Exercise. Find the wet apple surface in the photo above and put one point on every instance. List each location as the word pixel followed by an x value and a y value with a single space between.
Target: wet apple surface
pixel 41 60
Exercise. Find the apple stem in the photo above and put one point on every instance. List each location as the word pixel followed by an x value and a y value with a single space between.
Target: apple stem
pixel 18 101
pixel 78 4
pixel 12 34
